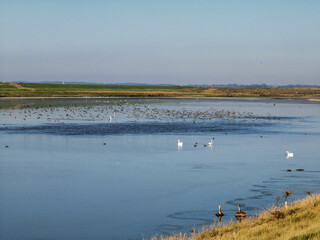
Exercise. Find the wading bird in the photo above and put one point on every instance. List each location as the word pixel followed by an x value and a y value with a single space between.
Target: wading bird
pixel 210 143
pixel 240 214
pixel 219 214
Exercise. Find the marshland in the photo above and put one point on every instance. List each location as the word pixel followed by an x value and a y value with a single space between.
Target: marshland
pixel 9 89
pixel 169 120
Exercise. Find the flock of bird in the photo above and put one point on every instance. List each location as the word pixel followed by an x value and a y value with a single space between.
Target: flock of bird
pixel 210 144
pixel 107 112
pixel 239 215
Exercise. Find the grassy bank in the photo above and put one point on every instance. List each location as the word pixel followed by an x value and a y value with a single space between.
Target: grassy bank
pixel 300 221
pixel 83 90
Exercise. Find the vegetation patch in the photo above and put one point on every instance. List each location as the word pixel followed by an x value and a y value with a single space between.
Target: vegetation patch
pixel 299 221
pixel 307 236
pixel 87 90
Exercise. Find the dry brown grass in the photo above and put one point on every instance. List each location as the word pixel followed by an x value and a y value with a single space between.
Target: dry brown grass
pixel 20 87
pixel 300 221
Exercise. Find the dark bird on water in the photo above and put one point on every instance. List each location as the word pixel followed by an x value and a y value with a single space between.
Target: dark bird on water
pixel 219 214
pixel 194 230
pixel 6 146
pixel 240 214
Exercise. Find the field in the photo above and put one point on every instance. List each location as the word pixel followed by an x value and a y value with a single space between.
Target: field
pixel 82 90
pixel 300 221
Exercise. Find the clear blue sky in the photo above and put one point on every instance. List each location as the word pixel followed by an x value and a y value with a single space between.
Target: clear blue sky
pixel 178 42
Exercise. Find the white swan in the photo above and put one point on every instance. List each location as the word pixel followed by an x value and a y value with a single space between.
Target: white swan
pixel 180 144
pixel 210 143
pixel 289 154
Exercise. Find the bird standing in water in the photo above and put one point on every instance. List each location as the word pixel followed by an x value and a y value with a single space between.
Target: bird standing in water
pixel 240 214
pixel 219 214
pixel 210 143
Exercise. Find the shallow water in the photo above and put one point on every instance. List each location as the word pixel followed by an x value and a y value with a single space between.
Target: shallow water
pixel 59 181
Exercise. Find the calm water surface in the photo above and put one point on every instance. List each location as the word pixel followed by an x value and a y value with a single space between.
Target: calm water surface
pixel 59 180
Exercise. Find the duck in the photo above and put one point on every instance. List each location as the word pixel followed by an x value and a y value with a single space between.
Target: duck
pixel 219 214
pixel 240 214
pixel 289 154
pixel 195 144
pixel 193 230
pixel 180 144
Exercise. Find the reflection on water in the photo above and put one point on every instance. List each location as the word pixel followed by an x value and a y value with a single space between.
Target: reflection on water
pixel 238 127
pixel 70 173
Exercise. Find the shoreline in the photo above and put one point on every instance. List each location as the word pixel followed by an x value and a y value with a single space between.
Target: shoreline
pixel 298 220
pixel 191 98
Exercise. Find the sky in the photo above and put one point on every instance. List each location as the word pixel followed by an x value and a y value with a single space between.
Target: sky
pixel 161 41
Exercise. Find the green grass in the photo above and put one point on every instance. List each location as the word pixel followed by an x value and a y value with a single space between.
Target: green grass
pixel 85 90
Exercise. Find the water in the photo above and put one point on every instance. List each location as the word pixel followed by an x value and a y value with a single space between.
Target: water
pixel 59 181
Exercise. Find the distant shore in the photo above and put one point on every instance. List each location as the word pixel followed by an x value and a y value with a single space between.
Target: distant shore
pixel 182 98
pixel 53 91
